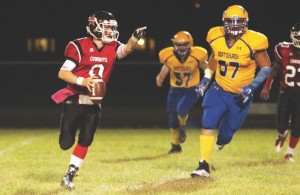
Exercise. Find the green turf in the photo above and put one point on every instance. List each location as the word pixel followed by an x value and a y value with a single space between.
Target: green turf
pixel 134 161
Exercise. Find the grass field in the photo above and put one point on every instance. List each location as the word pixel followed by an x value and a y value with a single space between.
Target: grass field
pixel 134 161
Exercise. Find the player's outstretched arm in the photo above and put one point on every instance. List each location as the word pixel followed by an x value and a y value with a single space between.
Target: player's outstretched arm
pixel 132 42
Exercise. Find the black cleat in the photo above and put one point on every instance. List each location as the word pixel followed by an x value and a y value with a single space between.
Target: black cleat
pixel 202 170
pixel 175 149
pixel 67 181
pixel 219 146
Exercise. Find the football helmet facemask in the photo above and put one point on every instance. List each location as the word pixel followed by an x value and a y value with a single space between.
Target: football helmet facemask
pixel 235 21
pixel 295 35
pixel 102 25
pixel 182 41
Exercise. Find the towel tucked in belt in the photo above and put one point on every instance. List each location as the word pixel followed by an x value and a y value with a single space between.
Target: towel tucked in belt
pixel 63 94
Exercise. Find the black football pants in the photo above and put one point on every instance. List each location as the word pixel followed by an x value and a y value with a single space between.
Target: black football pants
pixel 74 116
pixel 288 108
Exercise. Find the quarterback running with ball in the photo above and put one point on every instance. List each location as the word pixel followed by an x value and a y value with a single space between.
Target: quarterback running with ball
pixel 85 58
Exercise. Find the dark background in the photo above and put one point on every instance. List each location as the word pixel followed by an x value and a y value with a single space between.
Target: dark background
pixel 66 20
pixel 133 100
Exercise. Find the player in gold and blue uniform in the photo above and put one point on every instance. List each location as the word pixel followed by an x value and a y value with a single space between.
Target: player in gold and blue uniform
pixel 182 63
pixel 236 53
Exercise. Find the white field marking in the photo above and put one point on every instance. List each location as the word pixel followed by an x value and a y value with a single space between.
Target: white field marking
pixel 15 146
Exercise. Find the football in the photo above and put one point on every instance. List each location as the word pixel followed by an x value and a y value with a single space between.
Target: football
pixel 98 90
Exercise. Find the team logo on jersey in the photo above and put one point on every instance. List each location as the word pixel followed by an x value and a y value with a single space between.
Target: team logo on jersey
pixel 92 49
pixel 98 59
pixel 228 55
pixel 182 68
pixel 294 61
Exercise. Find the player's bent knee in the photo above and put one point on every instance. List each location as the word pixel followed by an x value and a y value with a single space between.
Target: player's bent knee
pixel 225 139
pixel 66 145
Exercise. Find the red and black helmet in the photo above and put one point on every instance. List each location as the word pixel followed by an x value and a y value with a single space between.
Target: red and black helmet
pixel 103 25
pixel 295 35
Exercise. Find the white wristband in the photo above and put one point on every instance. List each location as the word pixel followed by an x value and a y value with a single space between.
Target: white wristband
pixel 79 81
pixel 207 73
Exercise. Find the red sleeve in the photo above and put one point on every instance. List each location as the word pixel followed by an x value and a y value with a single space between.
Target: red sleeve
pixel 72 52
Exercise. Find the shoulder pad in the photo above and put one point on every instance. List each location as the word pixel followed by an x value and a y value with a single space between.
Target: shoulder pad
pixel 72 51
pixel 214 33
pixel 283 49
pixel 285 44
pixel 256 40
pixel 199 53
pixel 164 54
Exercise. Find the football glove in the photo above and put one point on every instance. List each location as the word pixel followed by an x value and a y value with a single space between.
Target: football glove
pixel 247 93
pixel 140 32
pixel 201 87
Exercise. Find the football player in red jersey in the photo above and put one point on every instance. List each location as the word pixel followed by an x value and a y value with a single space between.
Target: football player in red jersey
pixel 287 69
pixel 85 58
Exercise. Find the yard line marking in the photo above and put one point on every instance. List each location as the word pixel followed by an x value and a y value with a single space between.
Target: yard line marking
pixel 15 146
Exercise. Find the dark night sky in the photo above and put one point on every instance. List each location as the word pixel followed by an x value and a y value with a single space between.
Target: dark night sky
pixel 66 20
pixel 32 84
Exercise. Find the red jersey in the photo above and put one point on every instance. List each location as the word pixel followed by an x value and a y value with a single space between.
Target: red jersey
pixel 290 61
pixel 89 59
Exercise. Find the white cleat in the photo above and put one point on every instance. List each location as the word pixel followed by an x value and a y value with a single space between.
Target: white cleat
pixel 280 141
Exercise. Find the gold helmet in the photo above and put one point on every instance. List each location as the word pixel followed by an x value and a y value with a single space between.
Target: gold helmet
pixel 182 41
pixel 235 21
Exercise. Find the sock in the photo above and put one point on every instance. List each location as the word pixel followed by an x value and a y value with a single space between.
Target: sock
pixel 76 161
pixel 80 151
pixel 206 147
pixel 78 155
pixel 293 142
pixel 182 120
pixel 290 151
pixel 175 136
